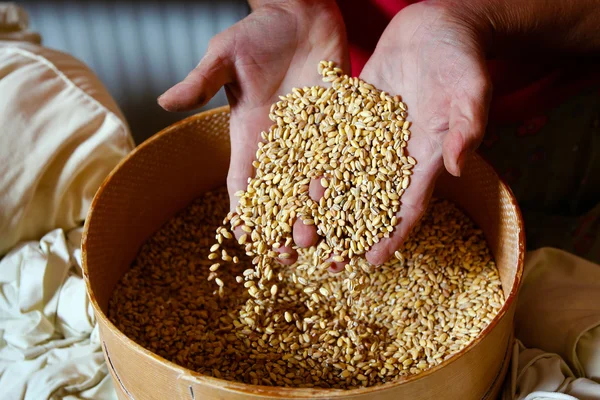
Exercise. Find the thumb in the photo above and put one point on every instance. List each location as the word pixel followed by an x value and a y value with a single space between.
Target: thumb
pixel 215 70
pixel 467 122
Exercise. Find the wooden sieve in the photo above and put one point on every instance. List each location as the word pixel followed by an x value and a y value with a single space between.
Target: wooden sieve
pixel 167 172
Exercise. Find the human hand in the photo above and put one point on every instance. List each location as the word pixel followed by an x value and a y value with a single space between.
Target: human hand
pixel 276 48
pixel 435 62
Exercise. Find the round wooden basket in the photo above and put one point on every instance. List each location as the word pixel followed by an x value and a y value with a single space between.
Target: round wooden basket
pixel 164 174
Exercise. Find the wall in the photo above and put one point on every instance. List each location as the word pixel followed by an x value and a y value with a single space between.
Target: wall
pixel 137 48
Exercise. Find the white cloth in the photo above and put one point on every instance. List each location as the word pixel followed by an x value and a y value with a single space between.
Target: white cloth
pixel 558 311
pixel 49 343
pixel 60 135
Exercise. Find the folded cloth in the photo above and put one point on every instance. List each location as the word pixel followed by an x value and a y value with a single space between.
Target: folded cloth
pixel 558 311
pixel 60 135
pixel 49 342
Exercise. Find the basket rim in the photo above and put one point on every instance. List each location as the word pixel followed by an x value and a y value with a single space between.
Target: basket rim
pixel 279 391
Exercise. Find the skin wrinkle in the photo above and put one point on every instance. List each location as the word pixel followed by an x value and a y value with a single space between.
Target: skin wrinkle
pixel 428 107
pixel 307 236
pixel 275 66
pixel 419 51
pixel 449 107
pixel 435 149
pixel 444 127
pixel 461 112
pixel 220 62
pixel 383 75
pixel 467 113
pixel 305 52
pixel 266 97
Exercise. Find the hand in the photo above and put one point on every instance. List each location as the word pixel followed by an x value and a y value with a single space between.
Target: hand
pixel 276 48
pixel 435 62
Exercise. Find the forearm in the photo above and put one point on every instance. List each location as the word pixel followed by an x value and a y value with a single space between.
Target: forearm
pixel 532 25
pixel 254 4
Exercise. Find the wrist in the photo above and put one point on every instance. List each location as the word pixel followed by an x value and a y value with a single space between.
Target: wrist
pixel 471 17
pixel 254 4
pixel 509 26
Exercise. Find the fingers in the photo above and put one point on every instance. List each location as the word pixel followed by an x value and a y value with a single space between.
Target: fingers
pixel 315 189
pixel 336 266
pixel 215 70
pixel 467 122
pixel 306 235
pixel 408 217
pixel 240 169
pixel 287 255
pixel 244 144
pixel 414 201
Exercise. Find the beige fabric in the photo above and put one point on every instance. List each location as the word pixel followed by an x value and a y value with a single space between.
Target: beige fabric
pixel 589 357
pixel 50 347
pixel 60 135
pixel 558 324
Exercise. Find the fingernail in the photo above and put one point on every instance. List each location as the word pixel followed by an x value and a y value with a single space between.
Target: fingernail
pixel 336 268
pixel 172 90
pixel 161 101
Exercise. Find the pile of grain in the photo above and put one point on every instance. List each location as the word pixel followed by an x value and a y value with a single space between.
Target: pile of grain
pixel 411 313
pixel 353 138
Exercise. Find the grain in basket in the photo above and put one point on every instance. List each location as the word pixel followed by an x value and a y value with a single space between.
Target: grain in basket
pixel 352 138
pixel 263 323
pixel 410 315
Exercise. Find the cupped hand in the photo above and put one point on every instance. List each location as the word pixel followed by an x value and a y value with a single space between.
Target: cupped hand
pixel 276 48
pixel 435 62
